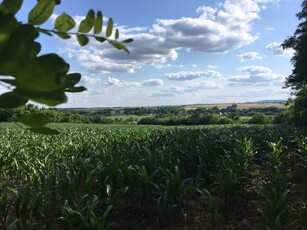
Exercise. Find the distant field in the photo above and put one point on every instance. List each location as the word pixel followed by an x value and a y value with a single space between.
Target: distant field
pixel 240 106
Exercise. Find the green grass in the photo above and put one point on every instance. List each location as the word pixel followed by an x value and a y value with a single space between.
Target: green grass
pixel 136 177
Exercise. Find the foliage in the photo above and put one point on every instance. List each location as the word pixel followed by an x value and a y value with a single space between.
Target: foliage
pixel 285 117
pixel 259 118
pixel 138 177
pixel 275 196
pixel 298 107
pixel 297 81
pixel 42 78
pixel 204 119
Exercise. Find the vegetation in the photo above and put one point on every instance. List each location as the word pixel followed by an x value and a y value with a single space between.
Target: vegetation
pixel 297 81
pixel 167 115
pixel 42 78
pixel 136 177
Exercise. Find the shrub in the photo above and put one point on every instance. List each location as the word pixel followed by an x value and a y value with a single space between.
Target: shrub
pixel 259 118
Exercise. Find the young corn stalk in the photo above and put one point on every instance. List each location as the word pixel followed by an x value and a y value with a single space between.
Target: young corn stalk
pixel 4 206
pixel 275 196
pixel 211 207
pixel 234 172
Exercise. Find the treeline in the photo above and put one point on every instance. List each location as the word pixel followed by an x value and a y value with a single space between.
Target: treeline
pixel 209 119
pixel 165 116
pixel 58 116
pixel 169 111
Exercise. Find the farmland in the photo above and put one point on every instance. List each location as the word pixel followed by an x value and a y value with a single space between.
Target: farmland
pixel 153 177
pixel 247 105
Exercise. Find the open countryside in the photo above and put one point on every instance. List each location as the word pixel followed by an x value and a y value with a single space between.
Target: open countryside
pixel 150 132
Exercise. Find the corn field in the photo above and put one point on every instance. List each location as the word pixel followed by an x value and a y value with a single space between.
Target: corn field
pixel 132 177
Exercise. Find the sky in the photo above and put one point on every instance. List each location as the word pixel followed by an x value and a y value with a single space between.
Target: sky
pixel 184 51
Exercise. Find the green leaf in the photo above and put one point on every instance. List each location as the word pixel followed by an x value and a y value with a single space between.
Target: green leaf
pixel 34 120
pixel 51 98
pixel 64 22
pixel 109 28
pixel 129 40
pixel 9 81
pixel 43 80
pixel 98 23
pixel 116 34
pixel 44 130
pixel 41 12
pixel 71 80
pixel 7 27
pixel 43 31
pixel 63 35
pixel 45 73
pixel 87 24
pixel 100 39
pixel 10 6
pixel 76 89
pixel 11 100
pixel 118 45
pixel 82 39
pixel 37 48
pixel 19 50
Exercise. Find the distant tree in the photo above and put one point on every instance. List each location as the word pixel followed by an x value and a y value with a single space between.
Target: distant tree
pixel 297 80
pixel 259 118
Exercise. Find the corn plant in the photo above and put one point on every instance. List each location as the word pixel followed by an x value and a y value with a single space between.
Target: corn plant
pixel 96 177
pixel 275 198
pixel 4 206
pixel 83 215
pixel 276 154
pixel 210 206
pixel 274 195
pixel 229 186
pixel 163 208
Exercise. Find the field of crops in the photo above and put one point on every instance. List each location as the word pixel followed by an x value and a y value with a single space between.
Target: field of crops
pixel 132 177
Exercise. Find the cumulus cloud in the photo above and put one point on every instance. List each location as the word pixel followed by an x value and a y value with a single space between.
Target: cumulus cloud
pixel 193 87
pixel 217 29
pixel 189 75
pixel 249 56
pixel 151 82
pixel 88 80
pixel 257 75
pixel 121 83
pixel 277 50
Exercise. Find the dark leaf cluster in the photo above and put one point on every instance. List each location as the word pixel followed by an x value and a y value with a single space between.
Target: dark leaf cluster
pixel 46 78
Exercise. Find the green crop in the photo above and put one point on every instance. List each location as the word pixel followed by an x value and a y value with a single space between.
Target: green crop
pixel 123 177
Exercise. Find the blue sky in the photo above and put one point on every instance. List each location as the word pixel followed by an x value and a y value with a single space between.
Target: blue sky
pixel 184 51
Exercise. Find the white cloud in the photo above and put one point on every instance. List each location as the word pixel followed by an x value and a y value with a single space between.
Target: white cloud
pixel 192 87
pixel 120 83
pixel 256 75
pixel 152 82
pixel 212 66
pixel 88 80
pixel 188 75
pixel 270 28
pixel 220 29
pixel 277 50
pixel 249 56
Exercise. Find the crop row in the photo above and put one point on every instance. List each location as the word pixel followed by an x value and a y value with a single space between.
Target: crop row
pixel 127 177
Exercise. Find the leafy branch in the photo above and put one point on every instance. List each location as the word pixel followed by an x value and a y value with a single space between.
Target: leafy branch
pixel 43 78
